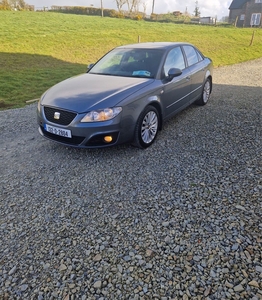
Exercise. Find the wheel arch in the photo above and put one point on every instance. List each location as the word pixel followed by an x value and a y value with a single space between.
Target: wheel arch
pixel 209 76
pixel 157 106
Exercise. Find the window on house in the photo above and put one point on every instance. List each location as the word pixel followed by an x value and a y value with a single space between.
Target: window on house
pixel 258 1
pixel 242 17
pixel 255 19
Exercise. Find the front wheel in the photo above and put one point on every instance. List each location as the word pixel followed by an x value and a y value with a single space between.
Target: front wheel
pixel 146 128
pixel 205 93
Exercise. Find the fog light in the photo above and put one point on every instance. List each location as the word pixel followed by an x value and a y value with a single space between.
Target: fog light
pixel 108 138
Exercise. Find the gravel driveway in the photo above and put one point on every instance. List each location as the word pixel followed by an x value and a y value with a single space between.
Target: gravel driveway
pixel 180 220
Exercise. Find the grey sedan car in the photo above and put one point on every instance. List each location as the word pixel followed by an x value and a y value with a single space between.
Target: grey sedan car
pixel 126 96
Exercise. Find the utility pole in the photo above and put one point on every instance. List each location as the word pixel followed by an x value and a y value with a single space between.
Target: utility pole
pixel 153 6
pixel 102 9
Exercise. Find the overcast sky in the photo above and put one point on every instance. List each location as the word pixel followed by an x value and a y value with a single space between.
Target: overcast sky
pixel 208 8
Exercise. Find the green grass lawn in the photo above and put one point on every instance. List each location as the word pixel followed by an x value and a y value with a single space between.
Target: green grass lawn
pixel 39 49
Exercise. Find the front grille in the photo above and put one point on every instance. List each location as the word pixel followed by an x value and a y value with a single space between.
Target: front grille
pixel 75 140
pixel 66 117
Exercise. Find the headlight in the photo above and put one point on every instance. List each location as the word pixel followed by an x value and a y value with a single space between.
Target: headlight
pixel 101 115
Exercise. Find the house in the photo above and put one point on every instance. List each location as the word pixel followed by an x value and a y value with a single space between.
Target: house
pixel 245 13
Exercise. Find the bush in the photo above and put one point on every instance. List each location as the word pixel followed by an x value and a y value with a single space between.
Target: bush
pixel 116 14
pixel 82 10
pixel 5 5
pixel 137 17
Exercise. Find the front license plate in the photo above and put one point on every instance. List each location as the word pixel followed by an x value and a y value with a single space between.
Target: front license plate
pixel 58 131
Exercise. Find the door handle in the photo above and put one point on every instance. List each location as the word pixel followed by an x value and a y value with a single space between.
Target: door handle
pixel 188 78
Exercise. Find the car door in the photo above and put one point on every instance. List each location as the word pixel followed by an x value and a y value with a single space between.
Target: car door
pixel 175 92
pixel 197 70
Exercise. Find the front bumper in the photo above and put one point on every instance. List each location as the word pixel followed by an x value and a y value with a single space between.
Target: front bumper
pixel 87 135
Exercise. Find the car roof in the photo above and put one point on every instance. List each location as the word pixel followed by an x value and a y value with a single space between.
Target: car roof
pixel 153 45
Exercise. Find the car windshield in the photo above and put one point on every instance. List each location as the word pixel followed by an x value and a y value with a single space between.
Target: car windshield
pixel 129 62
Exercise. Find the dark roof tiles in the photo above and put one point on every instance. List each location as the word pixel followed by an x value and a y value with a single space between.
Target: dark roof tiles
pixel 237 4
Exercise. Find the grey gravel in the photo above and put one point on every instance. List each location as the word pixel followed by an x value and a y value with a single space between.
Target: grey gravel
pixel 180 220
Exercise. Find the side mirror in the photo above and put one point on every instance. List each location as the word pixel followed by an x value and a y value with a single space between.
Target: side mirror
pixel 89 67
pixel 174 72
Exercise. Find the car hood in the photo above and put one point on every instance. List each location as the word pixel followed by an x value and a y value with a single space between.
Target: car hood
pixel 90 91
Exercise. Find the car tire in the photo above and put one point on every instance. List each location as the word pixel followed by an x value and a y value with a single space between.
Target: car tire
pixel 206 92
pixel 146 128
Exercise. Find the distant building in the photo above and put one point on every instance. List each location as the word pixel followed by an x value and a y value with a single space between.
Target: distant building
pixel 207 20
pixel 245 13
pixel 203 20
pixel 177 13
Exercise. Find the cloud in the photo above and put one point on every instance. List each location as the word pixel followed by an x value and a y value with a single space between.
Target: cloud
pixel 208 8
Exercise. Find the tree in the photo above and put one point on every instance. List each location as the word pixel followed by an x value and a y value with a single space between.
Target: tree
pixel 5 5
pixel 119 4
pixel 136 4
pixel 14 5
pixel 196 11
pixel 133 5
pixel 225 19
pixel 144 4
pixel 22 5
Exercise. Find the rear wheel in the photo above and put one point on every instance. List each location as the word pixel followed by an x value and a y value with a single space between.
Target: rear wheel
pixel 147 127
pixel 205 93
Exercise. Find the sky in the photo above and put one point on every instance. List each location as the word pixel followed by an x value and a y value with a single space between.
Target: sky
pixel 207 8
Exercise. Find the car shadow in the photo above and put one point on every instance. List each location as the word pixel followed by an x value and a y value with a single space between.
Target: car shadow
pixel 26 76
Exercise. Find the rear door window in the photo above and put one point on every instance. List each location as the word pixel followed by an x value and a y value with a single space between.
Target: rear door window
pixel 191 55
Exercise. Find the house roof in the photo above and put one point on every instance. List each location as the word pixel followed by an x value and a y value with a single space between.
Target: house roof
pixel 237 4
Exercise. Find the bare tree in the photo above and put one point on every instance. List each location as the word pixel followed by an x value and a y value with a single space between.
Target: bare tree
pixel 144 4
pixel 133 5
pixel 137 3
pixel 119 4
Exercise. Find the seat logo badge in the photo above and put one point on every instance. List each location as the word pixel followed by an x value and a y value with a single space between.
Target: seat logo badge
pixel 57 115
